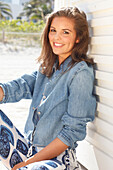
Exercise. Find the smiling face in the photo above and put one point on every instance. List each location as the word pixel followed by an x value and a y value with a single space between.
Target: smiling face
pixel 62 37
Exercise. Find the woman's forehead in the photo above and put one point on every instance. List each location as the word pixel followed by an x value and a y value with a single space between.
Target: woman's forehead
pixel 62 22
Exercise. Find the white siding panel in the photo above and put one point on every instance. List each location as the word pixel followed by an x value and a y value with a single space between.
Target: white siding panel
pixel 105 162
pixel 96 151
pixel 105 40
pixel 95 6
pixel 103 76
pixel 102 59
pixel 104 84
pixel 104 96
pixel 100 142
pixel 102 49
pixel 102 13
pixel 101 21
pixel 104 79
pixel 89 161
pixel 101 31
pixel 104 92
pixel 105 112
pixel 102 127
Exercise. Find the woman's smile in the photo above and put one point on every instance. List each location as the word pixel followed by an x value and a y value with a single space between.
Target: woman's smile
pixel 57 44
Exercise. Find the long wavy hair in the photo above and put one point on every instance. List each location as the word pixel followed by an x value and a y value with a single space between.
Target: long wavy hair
pixel 79 52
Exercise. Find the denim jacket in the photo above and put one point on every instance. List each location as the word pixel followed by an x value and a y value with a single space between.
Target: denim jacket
pixel 62 104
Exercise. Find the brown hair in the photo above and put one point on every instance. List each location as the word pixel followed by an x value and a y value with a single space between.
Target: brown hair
pixel 47 56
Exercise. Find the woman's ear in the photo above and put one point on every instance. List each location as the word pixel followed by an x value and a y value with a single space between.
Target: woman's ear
pixel 77 41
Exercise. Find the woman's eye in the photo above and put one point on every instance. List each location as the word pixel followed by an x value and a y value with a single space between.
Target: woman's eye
pixel 66 32
pixel 52 30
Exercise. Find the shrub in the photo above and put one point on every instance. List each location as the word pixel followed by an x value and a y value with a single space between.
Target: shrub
pixel 21 26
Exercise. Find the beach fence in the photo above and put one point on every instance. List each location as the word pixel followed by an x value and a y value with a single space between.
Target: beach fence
pixel 20 38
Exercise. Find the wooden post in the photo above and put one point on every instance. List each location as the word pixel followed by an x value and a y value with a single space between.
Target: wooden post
pixel 3 36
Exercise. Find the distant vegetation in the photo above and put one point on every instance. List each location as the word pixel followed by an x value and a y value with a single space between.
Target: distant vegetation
pixel 21 26
pixel 37 9
pixel 22 33
pixel 33 10
pixel 27 30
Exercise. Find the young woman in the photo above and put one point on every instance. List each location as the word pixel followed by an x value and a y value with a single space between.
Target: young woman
pixel 62 99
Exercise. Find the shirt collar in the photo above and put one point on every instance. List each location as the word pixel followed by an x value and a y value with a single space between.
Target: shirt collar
pixel 64 66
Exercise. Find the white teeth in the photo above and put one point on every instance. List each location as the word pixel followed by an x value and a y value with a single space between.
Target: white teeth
pixel 58 45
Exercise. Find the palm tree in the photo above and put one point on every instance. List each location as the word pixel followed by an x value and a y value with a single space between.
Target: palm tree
pixel 5 10
pixel 37 9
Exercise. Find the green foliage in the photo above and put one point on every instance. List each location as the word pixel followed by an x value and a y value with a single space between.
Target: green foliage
pixel 5 10
pixel 21 26
pixel 37 9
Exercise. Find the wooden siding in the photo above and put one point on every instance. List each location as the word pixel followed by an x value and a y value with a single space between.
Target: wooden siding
pixel 96 151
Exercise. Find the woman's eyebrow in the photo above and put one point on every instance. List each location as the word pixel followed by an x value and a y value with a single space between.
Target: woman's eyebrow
pixel 66 29
pixel 52 26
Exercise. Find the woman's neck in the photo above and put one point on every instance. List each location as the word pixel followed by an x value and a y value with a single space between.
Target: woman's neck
pixel 61 59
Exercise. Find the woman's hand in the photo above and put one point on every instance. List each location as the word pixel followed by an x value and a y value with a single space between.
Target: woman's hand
pixel 19 165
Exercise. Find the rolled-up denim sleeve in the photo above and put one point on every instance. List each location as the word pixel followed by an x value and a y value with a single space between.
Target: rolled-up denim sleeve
pixel 22 88
pixel 81 109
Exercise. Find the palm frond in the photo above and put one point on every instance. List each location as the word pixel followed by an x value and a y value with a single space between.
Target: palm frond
pixel 5 10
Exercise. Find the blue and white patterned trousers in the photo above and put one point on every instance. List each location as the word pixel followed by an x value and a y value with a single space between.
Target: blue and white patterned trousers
pixel 14 149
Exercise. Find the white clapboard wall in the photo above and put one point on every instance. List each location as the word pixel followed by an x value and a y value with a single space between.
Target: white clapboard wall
pixel 96 151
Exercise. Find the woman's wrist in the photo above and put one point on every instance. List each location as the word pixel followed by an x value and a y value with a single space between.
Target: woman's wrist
pixel 32 159
pixel 19 165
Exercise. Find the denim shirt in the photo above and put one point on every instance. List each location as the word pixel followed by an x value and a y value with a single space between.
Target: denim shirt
pixel 63 103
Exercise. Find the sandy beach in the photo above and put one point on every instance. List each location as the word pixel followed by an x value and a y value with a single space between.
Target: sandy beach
pixel 14 62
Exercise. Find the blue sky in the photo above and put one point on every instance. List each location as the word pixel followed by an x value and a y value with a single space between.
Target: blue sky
pixel 15 1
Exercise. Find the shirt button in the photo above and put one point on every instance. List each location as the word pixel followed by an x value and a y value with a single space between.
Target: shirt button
pixel 44 97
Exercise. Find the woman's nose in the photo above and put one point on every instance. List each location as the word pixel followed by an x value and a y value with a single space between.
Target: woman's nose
pixel 57 35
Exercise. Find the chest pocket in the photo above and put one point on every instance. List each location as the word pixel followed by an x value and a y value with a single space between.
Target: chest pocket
pixel 55 92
